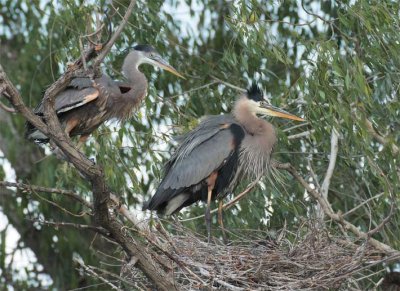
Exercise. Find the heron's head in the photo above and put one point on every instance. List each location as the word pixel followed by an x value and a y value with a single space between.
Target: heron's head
pixel 259 105
pixel 148 55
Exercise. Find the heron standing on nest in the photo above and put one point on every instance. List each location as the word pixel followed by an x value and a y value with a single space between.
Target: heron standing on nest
pixel 85 104
pixel 213 158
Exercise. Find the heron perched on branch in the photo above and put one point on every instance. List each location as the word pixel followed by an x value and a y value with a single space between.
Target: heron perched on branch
pixel 212 159
pixel 85 104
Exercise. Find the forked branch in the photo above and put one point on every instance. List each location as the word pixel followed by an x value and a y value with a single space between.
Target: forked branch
pixel 30 188
pixel 337 217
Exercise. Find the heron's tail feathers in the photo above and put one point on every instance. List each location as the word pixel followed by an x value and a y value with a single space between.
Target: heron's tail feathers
pixel 167 202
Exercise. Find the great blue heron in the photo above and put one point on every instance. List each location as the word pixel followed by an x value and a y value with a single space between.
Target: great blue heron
pixel 84 105
pixel 211 159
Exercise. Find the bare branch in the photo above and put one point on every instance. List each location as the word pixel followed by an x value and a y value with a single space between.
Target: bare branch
pixel 363 203
pixel 392 198
pixel 116 34
pixel 295 126
pixel 94 274
pixel 98 30
pixel 228 84
pixel 117 277
pixel 329 171
pixel 384 221
pixel 82 55
pixel 316 15
pixel 381 139
pixel 331 214
pixel 240 196
pixel 301 134
pixel 74 225
pixel 30 188
pixel 127 214
pixel 229 204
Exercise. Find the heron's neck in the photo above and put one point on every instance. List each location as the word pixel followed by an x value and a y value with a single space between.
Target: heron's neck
pixel 249 120
pixel 130 69
pixel 124 104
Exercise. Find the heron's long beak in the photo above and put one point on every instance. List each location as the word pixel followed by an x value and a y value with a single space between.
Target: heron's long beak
pixel 268 109
pixel 159 62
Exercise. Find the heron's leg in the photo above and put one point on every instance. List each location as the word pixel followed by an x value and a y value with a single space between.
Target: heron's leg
pixel 176 223
pixel 221 221
pixel 208 214
pixel 210 186
pixel 83 138
pixel 70 125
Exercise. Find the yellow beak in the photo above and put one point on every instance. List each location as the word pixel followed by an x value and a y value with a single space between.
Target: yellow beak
pixel 270 110
pixel 171 70
pixel 159 62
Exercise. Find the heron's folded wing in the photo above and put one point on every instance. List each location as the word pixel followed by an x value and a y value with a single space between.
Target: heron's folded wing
pixel 70 99
pixel 198 163
pixel 208 127
pixel 79 91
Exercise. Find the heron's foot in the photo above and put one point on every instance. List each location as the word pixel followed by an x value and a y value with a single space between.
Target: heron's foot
pixel 225 238
pixel 208 223
pixel 221 223
pixel 176 222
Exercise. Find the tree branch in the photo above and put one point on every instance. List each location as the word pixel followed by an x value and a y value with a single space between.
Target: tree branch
pixel 381 139
pixel 86 167
pixel 392 199
pixel 16 100
pixel 116 34
pixel 73 225
pixel 240 196
pixel 89 271
pixel 329 171
pixel 301 134
pixel 363 203
pixel 32 188
pixel 228 84
pixel 334 216
pixel 229 204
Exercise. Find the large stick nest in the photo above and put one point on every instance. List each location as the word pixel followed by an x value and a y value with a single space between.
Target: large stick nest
pixel 309 260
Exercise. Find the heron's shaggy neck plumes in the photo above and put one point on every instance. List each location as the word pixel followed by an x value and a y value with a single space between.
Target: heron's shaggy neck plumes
pixel 258 144
pixel 248 119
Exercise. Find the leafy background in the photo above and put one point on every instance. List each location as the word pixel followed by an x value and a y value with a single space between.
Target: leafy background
pixel 335 63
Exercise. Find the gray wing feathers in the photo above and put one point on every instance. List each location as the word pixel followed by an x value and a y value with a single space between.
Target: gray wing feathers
pixel 199 161
pixel 208 127
pixel 80 91
pixel 71 98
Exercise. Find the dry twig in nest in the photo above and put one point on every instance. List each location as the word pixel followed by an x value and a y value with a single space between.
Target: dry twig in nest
pixel 316 262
